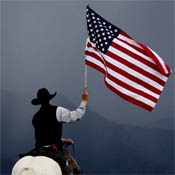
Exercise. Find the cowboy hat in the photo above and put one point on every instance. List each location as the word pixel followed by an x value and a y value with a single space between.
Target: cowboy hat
pixel 43 96
pixel 39 165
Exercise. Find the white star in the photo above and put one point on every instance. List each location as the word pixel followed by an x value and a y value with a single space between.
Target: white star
pixel 100 40
pixel 109 37
pixel 93 34
pixel 95 26
pixel 98 19
pixel 104 23
pixel 102 29
pixel 92 13
pixel 94 39
pixel 104 38
pixel 101 44
pixel 93 17
pixel 109 27
pixel 108 33
pixel 90 25
pixel 88 20
pixel 103 34
pixel 115 30
pixel 100 25
pixel 97 31
pixel 106 43
pixel 94 22
pixel 91 30
pixel 103 49
pixel 111 31
pixel 98 35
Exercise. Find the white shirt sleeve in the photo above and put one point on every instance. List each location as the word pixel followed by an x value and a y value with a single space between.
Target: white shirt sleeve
pixel 65 115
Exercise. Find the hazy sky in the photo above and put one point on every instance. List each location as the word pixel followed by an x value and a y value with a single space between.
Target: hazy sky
pixel 43 46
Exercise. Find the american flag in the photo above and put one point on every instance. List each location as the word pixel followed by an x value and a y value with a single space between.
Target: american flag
pixel 132 70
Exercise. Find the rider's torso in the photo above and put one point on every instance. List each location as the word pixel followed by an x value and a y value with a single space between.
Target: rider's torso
pixel 47 128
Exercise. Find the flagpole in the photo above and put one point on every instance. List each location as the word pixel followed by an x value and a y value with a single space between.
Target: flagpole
pixel 85 77
pixel 85 70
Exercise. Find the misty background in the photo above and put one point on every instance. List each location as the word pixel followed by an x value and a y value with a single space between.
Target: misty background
pixel 42 45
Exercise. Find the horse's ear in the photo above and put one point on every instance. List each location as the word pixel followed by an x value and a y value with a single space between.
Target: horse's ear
pixel 38 165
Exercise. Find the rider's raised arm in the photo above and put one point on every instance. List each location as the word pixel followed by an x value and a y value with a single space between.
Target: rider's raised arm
pixel 65 115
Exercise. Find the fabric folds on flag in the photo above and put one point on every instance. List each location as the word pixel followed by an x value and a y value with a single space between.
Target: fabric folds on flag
pixel 132 70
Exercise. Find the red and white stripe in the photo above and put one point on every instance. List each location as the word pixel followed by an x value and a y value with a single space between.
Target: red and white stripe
pixel 132 70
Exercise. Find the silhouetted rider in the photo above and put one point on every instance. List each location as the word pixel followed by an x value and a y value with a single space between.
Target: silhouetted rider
pixel 48 121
